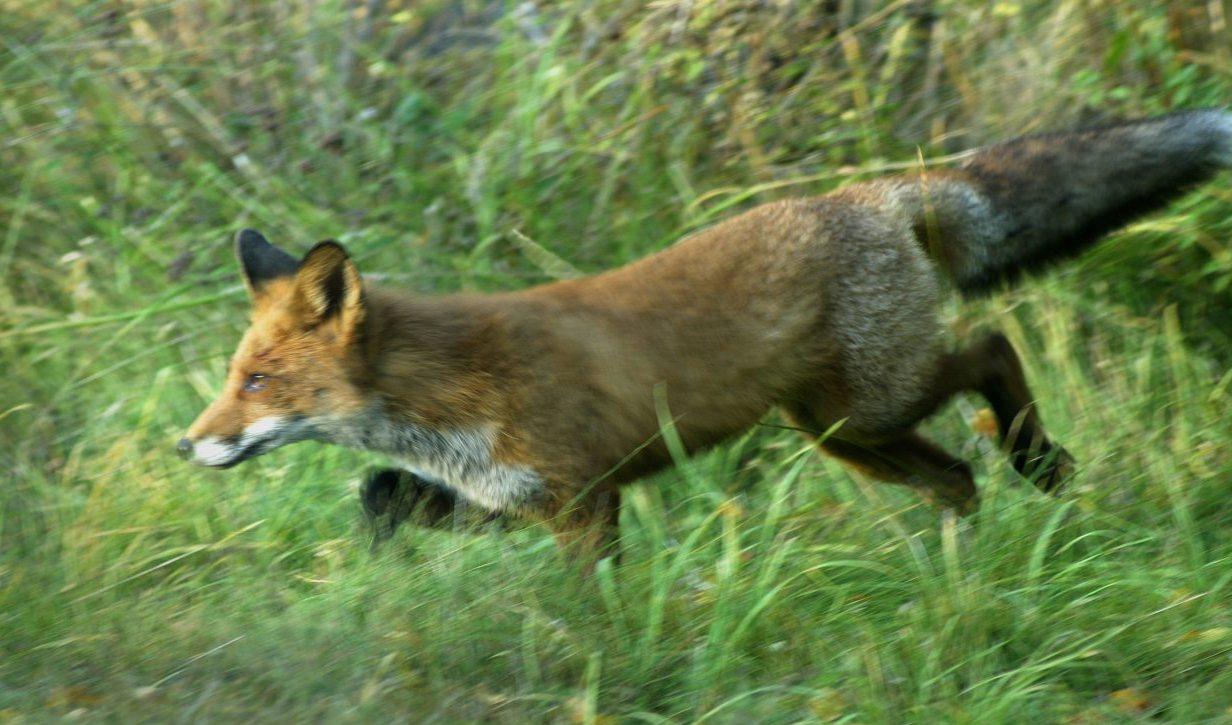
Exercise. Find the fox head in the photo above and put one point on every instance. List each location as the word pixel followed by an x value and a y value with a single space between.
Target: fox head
pixel 294 373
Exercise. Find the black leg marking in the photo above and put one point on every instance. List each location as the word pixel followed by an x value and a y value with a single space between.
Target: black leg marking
pixel 390 496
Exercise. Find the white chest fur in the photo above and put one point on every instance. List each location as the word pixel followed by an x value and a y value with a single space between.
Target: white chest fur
pixel 460 458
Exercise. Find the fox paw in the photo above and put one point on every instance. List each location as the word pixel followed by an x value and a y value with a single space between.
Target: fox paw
pixel 1049 468
pixel 377 492
pixel 386 497
pixel 967 506
pixel 961 503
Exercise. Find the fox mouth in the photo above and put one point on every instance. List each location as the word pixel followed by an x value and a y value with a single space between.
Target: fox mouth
pixel 260 437
pixel 252 450
pixel 227 453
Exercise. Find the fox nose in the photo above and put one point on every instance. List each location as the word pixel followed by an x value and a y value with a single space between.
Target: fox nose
pixel 184 448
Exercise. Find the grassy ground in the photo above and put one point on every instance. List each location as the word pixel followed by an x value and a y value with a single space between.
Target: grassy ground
pixel 761 582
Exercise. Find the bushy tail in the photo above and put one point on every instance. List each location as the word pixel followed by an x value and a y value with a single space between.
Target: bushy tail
pixel 1018 206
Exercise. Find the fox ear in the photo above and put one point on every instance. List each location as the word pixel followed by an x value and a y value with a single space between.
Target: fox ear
pixel 328 286
pixel 261 261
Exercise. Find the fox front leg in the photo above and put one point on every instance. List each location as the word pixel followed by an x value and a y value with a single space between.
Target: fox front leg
pixel 390 496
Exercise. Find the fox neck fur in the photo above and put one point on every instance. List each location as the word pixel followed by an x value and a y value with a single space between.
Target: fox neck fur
pixel 436 402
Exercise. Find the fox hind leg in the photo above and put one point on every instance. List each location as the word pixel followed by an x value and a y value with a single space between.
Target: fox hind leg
pixel 911 460
pixel 895 453
pixel 992 368
pixel 915 461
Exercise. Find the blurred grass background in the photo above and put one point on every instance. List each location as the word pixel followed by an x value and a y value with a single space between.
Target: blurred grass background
pixel 761 583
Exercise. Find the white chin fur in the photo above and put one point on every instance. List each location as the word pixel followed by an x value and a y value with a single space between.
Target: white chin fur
pixel 262 435
pixel 213 452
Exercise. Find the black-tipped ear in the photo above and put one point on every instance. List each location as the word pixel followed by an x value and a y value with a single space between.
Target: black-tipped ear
pixel 328 284
pixel 260 260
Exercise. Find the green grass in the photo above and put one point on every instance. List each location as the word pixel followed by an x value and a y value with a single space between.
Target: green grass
pixel 761 583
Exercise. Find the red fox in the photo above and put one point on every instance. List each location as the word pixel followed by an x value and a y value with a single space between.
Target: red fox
pixel 540 403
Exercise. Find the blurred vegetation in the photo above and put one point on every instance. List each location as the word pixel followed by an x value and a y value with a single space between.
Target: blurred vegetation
pixel 435 139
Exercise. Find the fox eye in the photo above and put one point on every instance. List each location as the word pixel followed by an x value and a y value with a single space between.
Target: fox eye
pixel 255 383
